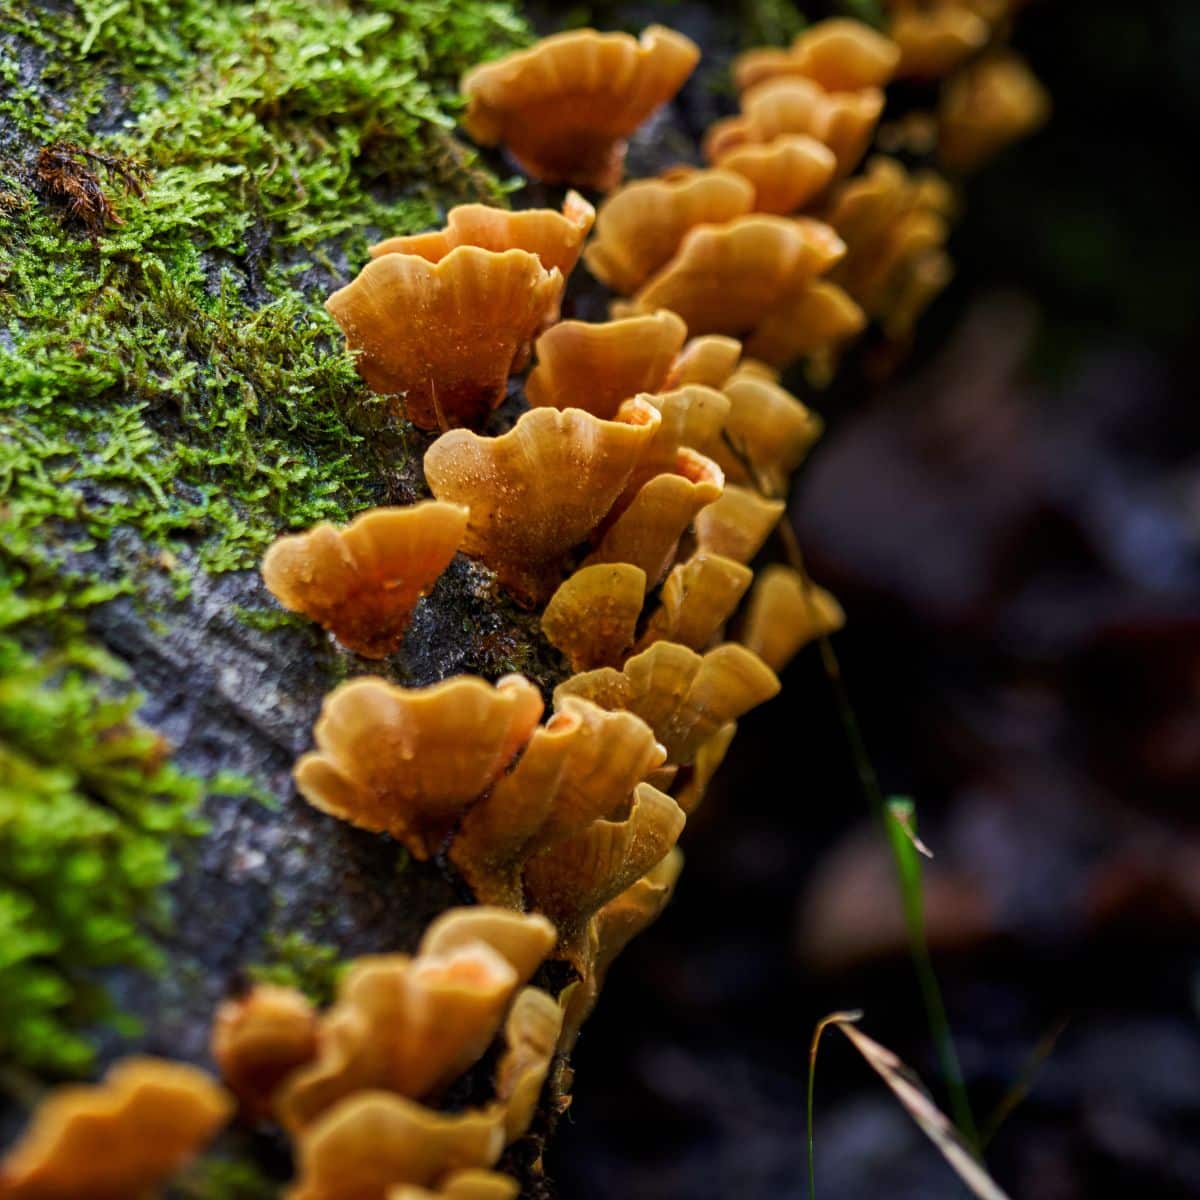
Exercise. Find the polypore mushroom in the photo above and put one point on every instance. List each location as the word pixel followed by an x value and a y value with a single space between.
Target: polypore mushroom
pixel 565 106
pixel 738 523
pixel 261 1038
pixel 531 1035
pixel 582 766
pixel 709 758
pixel 597 366
pixel 697 598
pixel 362 583
pixel 523 939
pixel 786 612
pixel 462 1185
pixel 935 41
pixel 839 54
pixel 788 172
pixel 593 616
pixel 443 335
pixel 372 1142
pixel 639 227
pixel 408 761
pixel 116 1140
pixel 707 361
pixel 814 323
pixel 684 697
pixel 540 489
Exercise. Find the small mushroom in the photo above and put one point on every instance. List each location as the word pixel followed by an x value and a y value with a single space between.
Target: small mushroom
pixel 839 54
pixel 363 582
pixel 373 1141
pixel 116 1140
pixel 261 1038
pixel 597 366
pixel 408 761
pixel 738 523
pixel 640 226
pixel 443 336
pixel 540 489
pixel 524 939
pixel 593 616
pixel 786 612
pixel 814 323
pixel 693 417
pixel 462 1185
pixel 531 1035
pixel 565 106
pixel 684 697
pixel 709 758
pixel 696 600
pixel 788 172
pixel 936 41
pixel 706 361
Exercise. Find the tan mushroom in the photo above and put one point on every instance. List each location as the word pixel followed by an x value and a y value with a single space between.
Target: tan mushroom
pixel 531 1036
pixel 936 41
pixel 462 1185
pixel 706 361
pixel 408 761
pixel 786 612
pixel 443 336
pixel 539 490
pixel 362 583
pixel 696 600
pixel 523 939
pixel 839 54
pixel 814 322
pixel 565 106
pixel 692 790
pixel 593 616
pixel 737 525
pixel 788 173
pixel 120 1139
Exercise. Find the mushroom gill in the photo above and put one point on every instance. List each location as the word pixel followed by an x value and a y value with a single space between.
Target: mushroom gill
pixel 120 1139
pixel 684 697
pixel 443 335
pixel 737 524
pixel 639 227
pixel 362 583
pixel 540 489
pixel 785 613
pixel 597 366
pixel 696 600
pixel 408 761
pixel 788 173
pixel 839 54
pixel 593 616
pixel 564 106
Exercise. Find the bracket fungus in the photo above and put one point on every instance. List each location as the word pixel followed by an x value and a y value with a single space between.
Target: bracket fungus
pixel 737 524
pixel 261 1038
pixel 597 366
pixel 839 54
pixel 696 600
pixel 813 323
pixel 706 361
pixel 120 1139
pixel 408 761
pixel 593 616
pixel 462 1185
pixel 524 939
pixel 362 583
pixel 639 227
pixel 785 613
pixel 443 336
pixel 683 696
pixel 935 41
pixel 531 1036
pixel 565 106
pixel 788 173
pixel 692 788
pixel 539 490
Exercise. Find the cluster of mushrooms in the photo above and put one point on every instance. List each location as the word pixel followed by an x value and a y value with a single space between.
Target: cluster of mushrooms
pixel 627 505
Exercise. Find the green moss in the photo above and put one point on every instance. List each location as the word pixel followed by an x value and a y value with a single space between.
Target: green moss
pixel 295 960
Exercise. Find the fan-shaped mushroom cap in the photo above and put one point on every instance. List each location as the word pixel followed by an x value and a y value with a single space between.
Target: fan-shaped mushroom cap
pixel 597 366
pixel 726 278
pixel 705 361
pixel 462 1185
pixel 987 106
pixel 684 697
pixel 839 54
pixel 118 1139
pixel 593 616
pixel 572 880
pixel 698 597
pixel 408 761
pixel 737 525
pixel 564 106
pixel 524 939
pixel 787 172
pixel 709 758
pixel 556 238
pixel 259 1039
pixel 581 766
pixel 363 582
pixel 540 489
pixel 786 612
pixel 373 1141
pixel 935 41
pixel 443 335
pixel 640 226
pixel 693 416
pixel 814 322
pixel 531 1034
pixel 403 1025
pixel 647 532
pixel 770 429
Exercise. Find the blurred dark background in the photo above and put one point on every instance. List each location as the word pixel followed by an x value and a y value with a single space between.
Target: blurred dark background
pixel 1012 524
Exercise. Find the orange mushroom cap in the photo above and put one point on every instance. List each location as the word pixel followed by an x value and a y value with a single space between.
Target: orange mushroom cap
pixel 706 361
pixel 462 1185
pixel 786 612
pixel 363 582
pixel 698 597
pixel 787 172
pixel 531 1035
pixel 936 41
pixel 564 106
pixel 443 335
pixel 814 322
pixel 593 616
pixel 841 55
pixel 738 523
